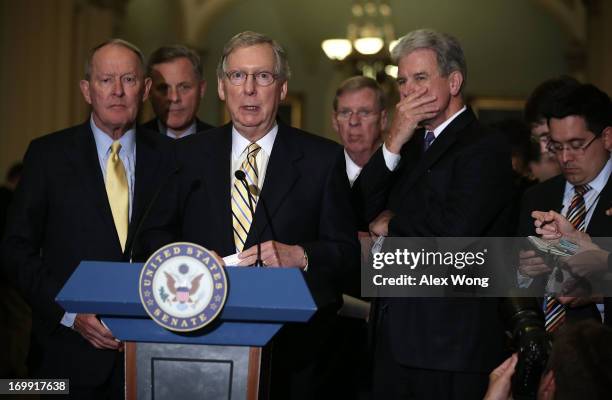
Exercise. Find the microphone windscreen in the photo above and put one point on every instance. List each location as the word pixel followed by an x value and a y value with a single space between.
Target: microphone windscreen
pixel 239 174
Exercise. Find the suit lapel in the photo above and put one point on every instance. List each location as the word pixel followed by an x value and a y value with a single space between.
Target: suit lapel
pixel 600 223
pixel 281 176
pixel 84 156
pixel 216 175
pixel 147 167
pixel 438 148
pixel 553 199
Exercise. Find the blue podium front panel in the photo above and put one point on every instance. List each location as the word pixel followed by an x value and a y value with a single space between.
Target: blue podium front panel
pixel 260 301
pixel 255 294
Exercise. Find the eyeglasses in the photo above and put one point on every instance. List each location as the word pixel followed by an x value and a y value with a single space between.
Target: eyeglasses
pixel 574 146
pixel 363 114
pixel 262 78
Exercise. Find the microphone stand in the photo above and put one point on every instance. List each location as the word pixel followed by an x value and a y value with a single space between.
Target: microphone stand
pixel 241 176
pixel 146 213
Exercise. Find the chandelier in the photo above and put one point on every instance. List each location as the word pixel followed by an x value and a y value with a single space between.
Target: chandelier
pixel 370 37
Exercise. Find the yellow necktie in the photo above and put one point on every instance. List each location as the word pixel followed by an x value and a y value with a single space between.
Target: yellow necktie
pixel 241 214
pixel 117 191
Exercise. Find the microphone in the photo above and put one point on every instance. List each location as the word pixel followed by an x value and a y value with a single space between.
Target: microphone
pixel 148 211
pixel 241 176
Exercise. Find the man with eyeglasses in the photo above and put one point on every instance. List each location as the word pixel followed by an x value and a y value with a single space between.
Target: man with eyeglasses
pixel 578 119
pixel 300 195
pixel 359 118
pixel 545 166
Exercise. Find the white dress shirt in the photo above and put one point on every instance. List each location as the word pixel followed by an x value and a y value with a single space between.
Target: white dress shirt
pixel 173 134
pixel 352 170
pixel 239 153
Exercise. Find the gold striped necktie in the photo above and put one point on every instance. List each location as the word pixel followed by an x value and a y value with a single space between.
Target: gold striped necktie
pixel 241 214
pixel 117 191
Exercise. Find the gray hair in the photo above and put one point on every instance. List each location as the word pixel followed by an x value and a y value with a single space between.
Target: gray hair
pixel 169 53
pixel 115 42
pixel 357 83
pixel 248 39
pixel 448 51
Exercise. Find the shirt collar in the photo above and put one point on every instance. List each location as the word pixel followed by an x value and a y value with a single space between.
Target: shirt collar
pixel 172 134
pixel 240 143
pixel 437 131
pixel 352 170
pixel 596 184
pixel 104 142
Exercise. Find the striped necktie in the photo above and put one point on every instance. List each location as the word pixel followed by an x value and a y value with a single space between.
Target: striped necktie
pixel 117 192
pixel 554 314
pixel 576 213
pixel 241 214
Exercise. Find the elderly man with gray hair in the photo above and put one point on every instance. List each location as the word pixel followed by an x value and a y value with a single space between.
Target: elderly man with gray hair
pixel 301 216
pixel 83 192
pixel 454 180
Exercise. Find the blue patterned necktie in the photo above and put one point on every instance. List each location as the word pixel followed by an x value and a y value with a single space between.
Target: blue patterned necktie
pixel 429 138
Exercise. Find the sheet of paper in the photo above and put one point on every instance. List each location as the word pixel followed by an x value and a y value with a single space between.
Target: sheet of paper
pixel 231 260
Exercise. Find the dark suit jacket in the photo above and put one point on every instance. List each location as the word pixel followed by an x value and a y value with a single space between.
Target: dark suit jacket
pixel 201 126
pixel 548 195
pixel 359 206
pixel 305 200
pixel 460 187
pixel 60 215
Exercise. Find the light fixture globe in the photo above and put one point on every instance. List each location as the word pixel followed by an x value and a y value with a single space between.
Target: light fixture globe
pixel 369 45
pixel 391 70
pixel 392 45
pixel 337 49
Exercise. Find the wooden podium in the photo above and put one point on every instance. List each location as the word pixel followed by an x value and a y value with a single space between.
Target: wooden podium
pixel 225 360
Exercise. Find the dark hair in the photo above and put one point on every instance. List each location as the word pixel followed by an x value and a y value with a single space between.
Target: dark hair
pixel 585 101
pixel 539 102
pixel 581 360
pixel 170 53
pixel 518 136
pixel 357 83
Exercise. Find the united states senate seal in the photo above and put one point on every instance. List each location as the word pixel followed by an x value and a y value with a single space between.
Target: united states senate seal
pixel 183 287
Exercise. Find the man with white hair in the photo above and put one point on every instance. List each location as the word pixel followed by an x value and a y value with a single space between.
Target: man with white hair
pixel 438 174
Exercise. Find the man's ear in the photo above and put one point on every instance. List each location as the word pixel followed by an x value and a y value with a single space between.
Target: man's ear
pixel 283 93
pixel 84 85
pixel 202 88
pixel 606 135
pixel 455 81
pixel 221 89
pixel 383 120
pixel 335 122
pixel 147 88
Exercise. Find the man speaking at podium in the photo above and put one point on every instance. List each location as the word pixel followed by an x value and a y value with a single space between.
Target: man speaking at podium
pixel 82 193
pixel 297 185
